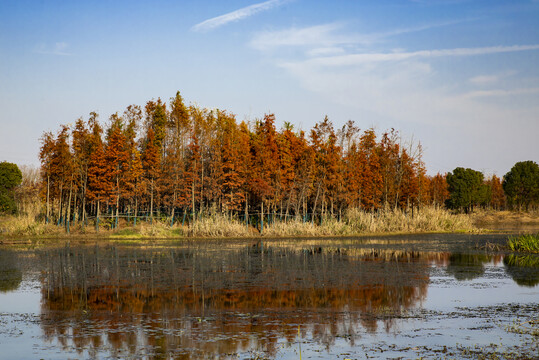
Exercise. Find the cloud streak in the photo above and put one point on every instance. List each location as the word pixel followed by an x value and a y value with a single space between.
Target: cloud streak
pixel 484 79
pixel 501 93
pixel 312 36
pixel 326 35
pixel 358 59
pixel 236 15
pixel 59 48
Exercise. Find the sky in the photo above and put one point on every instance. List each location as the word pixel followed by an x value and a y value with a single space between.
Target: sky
pixel 461 77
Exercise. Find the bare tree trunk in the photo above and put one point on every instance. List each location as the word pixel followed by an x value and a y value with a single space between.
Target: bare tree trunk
pixel 193 200
pixel 60 209
pixel 151 203
pixel 136 211
pixel 48 194
pixel 316 201
pixel 299 203
pixel 261 216
pixel 246 211
pixel 97 218
pixel 117 200
pixel 84 203
pixel 68 210
pixel 287 206
pixel 74 208
pixel 201 206
pixel 304 208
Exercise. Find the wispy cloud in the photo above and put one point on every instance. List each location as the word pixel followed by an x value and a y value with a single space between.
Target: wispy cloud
pixel 236 15
pixel 381 35
pixel 490 79
pixel 325 51
pixel 501 92
pixel 331 35
pixel 313 36
pixel 356 59
pixel 484 79
pixel 440 2
pixel 59 48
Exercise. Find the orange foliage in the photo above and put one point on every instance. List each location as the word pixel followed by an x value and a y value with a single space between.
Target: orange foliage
pixel 186 159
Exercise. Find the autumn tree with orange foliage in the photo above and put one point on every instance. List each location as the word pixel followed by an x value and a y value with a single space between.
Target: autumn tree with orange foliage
pixel 151 163
pixel 369 171
pixel 265 173
pixel 81 151
pixel 167 159
pixel 45 157
pixel 117 157
pixel 233 164
pixel 99 181
pixel 134 185
pixel 497 195
pixel 438 190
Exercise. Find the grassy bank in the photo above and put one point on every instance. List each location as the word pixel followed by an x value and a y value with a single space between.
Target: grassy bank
pixel 354 222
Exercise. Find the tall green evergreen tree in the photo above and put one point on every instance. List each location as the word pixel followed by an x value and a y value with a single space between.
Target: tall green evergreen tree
pixel 466 189
pixel 521 185
pixel 10 177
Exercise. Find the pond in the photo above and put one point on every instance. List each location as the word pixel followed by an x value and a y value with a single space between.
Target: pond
pixel 434 296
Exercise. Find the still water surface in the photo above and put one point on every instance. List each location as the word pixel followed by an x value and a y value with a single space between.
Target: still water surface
pixel 386 297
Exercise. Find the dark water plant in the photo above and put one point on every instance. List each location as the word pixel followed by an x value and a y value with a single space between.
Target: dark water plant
pixel 528 243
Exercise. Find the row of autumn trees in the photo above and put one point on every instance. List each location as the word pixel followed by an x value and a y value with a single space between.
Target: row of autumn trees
pixel 175 159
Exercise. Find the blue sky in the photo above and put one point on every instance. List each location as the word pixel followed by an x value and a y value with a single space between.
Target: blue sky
pixel 461 77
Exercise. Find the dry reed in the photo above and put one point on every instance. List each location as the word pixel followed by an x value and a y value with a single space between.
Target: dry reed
pixel 24 225
pixel 356 222
pixel 215 224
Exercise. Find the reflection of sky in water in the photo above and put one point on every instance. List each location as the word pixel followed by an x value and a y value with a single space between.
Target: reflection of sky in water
pixel 22 300
pixel 19 314
pixel 388 312
pixel 492 287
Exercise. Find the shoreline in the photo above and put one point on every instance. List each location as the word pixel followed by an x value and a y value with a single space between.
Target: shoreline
pixel 221 228
pixel 110 238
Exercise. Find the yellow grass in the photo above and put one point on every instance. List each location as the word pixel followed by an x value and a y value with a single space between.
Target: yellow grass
pixel 25 225
pixel 356 222
pixel 215 224
pixel 486 217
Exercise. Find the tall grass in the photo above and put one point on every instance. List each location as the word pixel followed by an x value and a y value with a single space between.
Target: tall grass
pixel 218 225
pixel 528 243
pixel 356 221
pixel 215 224
pixel 211 224
pixel 24 225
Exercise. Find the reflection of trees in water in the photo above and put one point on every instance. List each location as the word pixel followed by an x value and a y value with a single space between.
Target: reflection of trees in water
pixel 10 274
pixel 523 269
pixel 189 302
pixel 467 266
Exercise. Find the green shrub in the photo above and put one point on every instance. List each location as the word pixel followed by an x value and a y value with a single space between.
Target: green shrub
pixel 524 243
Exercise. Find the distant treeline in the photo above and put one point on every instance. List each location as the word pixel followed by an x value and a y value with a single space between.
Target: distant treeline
pixel 175 159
